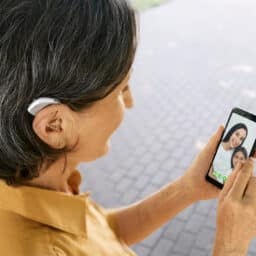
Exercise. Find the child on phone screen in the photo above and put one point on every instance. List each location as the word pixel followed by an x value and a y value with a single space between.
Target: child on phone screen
pixel 239 155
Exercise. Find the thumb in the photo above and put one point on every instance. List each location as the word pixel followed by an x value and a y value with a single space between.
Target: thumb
pixel 214 140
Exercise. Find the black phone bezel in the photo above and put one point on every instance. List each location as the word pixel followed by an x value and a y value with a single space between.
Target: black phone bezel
pixel 245 114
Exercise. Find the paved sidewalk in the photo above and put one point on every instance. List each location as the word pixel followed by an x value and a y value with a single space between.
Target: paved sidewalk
pixel 196 61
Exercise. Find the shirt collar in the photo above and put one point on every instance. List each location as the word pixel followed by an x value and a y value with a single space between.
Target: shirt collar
pixel 56 209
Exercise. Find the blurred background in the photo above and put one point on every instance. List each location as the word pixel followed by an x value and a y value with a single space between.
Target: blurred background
pixel 141 5
pixel 196 61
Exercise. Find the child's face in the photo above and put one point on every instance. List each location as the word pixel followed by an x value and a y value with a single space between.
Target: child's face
pixel 238 157
pixel 237 138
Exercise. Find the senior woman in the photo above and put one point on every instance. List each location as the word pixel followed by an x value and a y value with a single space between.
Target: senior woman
pixel 64 81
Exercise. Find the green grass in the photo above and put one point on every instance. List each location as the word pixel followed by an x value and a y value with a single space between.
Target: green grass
pixel 144 4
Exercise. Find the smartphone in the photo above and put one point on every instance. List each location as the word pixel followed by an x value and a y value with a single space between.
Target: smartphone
pixel 237 144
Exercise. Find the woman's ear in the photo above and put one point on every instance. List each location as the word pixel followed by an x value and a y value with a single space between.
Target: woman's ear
pixel 50 125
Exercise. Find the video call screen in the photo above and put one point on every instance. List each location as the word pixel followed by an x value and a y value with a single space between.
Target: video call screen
pixel 236 146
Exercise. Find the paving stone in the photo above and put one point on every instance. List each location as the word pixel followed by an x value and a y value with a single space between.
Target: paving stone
pixel 148 191
pixel 252 248
pixel 128 162
pixel 152 239
pixel 156 148
pixel 210 221
pixel 136 172
pixel 198 252
pixel 213 209
pixel 184 243
pixel 203 207
pixel 163 247
pixel 141 250
pixel 128 197
pixel 141 182
pixel 205 239
pixel 152 168
pixel 185 214
pixel 124 184
pixel 195 222
pixel 168 165
pixel 162 156
pixel 141 150
pixel 147 157
pixel 117 176
pixel 174 228
pixel 160 178
pixel 178 153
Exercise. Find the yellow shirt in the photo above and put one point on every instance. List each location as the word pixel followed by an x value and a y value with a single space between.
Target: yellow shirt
pixel 42 222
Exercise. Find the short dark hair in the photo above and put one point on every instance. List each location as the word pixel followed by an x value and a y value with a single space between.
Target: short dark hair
pixel 75 51
pixel 239 149
pixel 233 129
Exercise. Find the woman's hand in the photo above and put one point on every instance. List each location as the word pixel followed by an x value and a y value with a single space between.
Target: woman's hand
pixel 194 178
pixel 236 212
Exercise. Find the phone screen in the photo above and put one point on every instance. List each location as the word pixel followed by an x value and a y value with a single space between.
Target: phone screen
pixel 236 145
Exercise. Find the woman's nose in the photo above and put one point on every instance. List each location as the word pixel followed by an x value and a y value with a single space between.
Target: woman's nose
pixel 128 98
pixel 237 140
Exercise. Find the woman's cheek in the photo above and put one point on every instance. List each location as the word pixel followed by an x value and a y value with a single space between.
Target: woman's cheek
pixel 121 106
pixel 119 112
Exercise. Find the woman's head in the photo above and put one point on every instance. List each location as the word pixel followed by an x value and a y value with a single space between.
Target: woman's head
pixel 239 155
pixel 236 135
pixel 79 52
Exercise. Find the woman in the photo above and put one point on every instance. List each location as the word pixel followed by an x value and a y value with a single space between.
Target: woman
pixel 64 79
pixel 234 138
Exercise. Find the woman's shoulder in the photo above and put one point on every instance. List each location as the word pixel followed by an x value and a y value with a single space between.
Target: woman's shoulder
pixel 93 206
pixel 20 236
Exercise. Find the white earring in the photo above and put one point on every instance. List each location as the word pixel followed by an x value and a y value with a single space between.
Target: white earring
pixel 41 103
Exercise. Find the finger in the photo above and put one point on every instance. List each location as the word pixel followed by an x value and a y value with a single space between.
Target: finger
pixel 242 179
pixel 251 188
pixel 230 181
pixel 254 154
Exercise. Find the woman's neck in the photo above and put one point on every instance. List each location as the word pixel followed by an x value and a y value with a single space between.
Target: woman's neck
pixel 226 145
pixel 54 179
